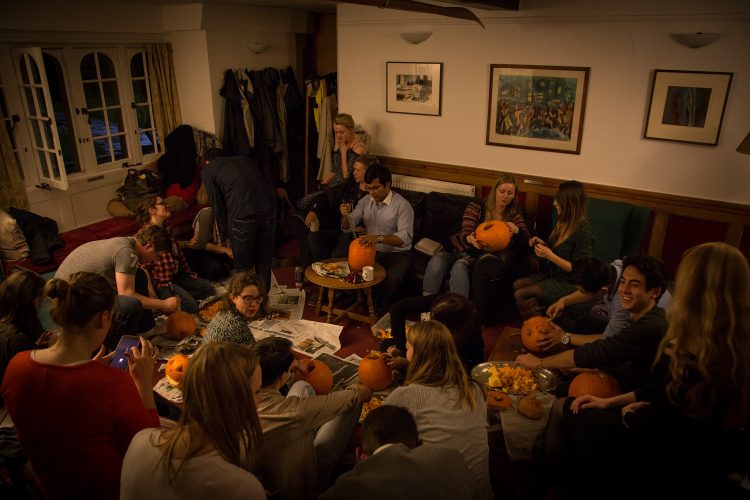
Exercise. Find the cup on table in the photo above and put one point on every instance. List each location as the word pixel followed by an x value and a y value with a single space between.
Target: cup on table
pixel 368 273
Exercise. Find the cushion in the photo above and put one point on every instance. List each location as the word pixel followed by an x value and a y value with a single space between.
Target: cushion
pixel 443 216
pixel 117 208
pixel 13 244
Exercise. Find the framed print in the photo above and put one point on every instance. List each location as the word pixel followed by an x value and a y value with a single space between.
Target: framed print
pixel 414 88
pixel 687 106
pixel 537 107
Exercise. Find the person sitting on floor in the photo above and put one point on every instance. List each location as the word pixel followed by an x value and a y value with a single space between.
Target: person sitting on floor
pixel 394 465
pixel 388 224
pixel 628 355
pixel 303 434
pixel 244 300
pixel 76 416
pixel 117 260
pixel 206 454
pixel 448 406
pixel 169 273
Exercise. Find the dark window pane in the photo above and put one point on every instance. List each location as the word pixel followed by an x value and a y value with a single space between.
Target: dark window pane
pixel 139 91
pixel 115 121
pixel 93 95
pixel 30 101
pixel 43 163
pixel 111 95
pixel 106 68
pixel 48 135
pixel 147 143
pixel 35 71
pixel 55 167
pixel 42 102
pixel 37 132
pixel 96 121
pixel 9 126
pixel 101 150
pixel 143 116
pixel 88 67
pixel 136 66
pixel 24 71
pixel 3 106
pixel 120 147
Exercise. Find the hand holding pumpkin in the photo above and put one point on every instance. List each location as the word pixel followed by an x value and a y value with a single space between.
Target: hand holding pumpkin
pixel 396 362
pixel 473 241
pixel 587 401
pixel 513 228
pixel 556 309
pixel 551 338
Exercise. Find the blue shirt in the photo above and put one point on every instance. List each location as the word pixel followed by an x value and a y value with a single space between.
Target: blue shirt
pixel 394 215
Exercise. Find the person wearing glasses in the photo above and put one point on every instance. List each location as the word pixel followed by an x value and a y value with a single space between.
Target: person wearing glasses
pixel 244 300
pixel 388 224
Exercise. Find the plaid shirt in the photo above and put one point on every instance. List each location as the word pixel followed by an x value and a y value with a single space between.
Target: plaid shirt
pixel 164 268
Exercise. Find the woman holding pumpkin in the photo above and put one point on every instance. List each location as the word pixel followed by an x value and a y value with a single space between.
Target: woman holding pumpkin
pixel 460 259
pixel 571 239
pixel 96 409
pixel 693 420
pixel 207 453
pixel 244 300
pixel 448 406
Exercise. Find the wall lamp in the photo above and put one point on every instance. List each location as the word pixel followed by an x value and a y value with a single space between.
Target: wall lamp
pixel 695 40
pixel 258 47
pixel 744 146
pixel 416 37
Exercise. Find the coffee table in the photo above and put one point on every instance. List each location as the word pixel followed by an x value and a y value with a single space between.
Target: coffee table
pixel 335 284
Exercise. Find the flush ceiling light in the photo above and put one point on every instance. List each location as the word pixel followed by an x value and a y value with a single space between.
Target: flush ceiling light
pixel 695 40
pixel 258 47
pixel 416 37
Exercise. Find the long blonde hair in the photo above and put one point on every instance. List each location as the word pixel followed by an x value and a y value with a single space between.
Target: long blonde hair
pixel 219 409
pixel 709 336
pixel 435 361
pixel 489 205
pixel 571 197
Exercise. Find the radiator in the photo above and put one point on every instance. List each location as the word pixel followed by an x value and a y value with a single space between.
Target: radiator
pixel 424 185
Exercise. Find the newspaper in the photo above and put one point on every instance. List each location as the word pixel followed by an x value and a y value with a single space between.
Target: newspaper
pixel 382 329
pixel 308 337
pixel 344 372
pixel 168 391
pixel 287 304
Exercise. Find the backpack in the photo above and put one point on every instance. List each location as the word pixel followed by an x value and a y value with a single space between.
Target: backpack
pixel 137 184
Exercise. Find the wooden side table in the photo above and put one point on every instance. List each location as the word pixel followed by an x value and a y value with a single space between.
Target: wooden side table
pixel 335 284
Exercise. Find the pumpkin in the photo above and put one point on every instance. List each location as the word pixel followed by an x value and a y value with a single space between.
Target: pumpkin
pixel 176 368
pixel 532 330
pixel 497 400
pixel 360 255
pixel 374 372
pixel 180 325
pixel 493 235
pixel 319 377
pixel 596 383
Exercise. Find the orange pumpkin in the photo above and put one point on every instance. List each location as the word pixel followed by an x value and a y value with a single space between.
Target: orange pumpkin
pixel 532 330
pixel 180 325
pixel 319 377
pixel 595 383
pixel 498 400
pixel 176 368
pixel 360 255
pixel 374 373
pixel 493 235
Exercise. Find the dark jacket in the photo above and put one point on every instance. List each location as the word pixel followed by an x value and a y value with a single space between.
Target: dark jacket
pixel 177 165
pixel 235 138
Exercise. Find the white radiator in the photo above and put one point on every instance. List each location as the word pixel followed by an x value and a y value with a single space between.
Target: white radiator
pixel 424 185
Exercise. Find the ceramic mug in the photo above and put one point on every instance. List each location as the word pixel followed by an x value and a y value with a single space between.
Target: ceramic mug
pixel 368 273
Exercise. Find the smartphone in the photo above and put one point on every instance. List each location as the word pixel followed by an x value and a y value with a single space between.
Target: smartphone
pixel 119 360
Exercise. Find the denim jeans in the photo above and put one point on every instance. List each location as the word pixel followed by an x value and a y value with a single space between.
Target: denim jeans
pixel 252 244
pixel 188 289
pixel 460 280
pixel 434 273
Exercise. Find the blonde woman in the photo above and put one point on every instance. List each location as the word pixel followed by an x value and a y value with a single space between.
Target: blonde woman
pixel 448 406
pixel 345 150
pixel 207 452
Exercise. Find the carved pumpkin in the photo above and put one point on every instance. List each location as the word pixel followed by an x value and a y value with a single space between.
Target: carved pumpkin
pixel 498 400
pixel 319 377
pixel 532 330
pixel 493 235
pixel 180 325
pixel 360 255
pixel 374 373
pixel 176 368
pixel 595 383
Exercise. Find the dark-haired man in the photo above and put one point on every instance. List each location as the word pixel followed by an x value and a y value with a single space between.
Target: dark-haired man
pixel 627 356
pixel 303 434
pixel 394 465
pixel 388 224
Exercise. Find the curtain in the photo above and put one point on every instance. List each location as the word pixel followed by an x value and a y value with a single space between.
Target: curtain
pixel 164 98
pixel 12 189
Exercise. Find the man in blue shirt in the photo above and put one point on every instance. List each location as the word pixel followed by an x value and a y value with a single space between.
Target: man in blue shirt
pixel 388 224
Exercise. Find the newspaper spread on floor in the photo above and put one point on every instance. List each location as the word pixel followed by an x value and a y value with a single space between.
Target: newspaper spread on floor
pixel 308 337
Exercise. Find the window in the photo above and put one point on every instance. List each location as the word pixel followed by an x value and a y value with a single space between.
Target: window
pixel 11 122
pixel 144 113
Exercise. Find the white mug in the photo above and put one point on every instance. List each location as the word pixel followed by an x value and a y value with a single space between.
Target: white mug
pixel 368 273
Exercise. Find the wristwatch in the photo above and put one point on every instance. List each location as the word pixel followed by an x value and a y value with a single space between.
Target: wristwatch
pixel 565 340
pixel 380 238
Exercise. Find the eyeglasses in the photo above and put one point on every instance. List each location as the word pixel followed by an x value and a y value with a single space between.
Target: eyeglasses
pixel 372 189
pixel 162 202
pixel 251 299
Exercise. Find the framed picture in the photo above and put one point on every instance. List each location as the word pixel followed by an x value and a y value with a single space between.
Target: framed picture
pixel 414 88
pixel 537 107
pixel 687 106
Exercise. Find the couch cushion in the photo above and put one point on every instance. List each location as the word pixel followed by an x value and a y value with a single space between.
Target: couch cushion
pixel 443 216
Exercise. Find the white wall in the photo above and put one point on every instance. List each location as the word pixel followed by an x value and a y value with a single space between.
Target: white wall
pixel 622 48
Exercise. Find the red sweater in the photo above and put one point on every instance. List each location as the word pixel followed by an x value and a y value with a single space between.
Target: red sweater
pixel 75 423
